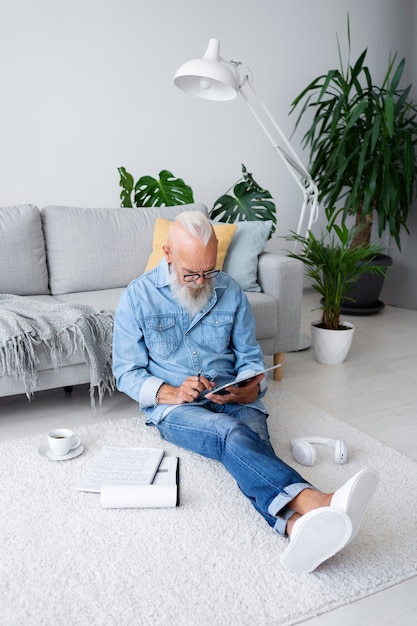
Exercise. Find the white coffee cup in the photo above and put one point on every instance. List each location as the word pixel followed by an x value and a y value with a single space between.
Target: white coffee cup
pixel 62 440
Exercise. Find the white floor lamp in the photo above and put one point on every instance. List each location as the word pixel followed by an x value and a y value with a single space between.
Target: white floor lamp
pixel 214 78
pixel 210 78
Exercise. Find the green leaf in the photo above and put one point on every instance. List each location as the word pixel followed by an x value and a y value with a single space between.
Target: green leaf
pixel 165 191
pixel 397 76
pixel 389 115
pixel 126 183
pixel 249 203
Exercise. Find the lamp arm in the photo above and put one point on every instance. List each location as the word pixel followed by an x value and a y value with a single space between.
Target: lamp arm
pixel 287 154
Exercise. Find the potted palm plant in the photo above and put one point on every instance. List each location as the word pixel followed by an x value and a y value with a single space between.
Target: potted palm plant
pixel 333 265
pixel 362 142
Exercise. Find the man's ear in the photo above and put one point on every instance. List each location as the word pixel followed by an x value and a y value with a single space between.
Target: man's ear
pixel 167 253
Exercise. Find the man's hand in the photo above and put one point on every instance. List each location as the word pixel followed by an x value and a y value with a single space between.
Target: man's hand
pixel 188 391
pixel 244 394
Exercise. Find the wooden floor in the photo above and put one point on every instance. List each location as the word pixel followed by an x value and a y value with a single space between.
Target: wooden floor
pixel 374 390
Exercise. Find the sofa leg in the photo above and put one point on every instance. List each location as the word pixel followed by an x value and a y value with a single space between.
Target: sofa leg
pixel 71 387
pixel 279 358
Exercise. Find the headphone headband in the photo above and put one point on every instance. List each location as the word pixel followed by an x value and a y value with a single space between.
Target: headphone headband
pixel 321 440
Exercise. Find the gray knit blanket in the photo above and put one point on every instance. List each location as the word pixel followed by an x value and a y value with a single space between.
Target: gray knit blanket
pixel 60 329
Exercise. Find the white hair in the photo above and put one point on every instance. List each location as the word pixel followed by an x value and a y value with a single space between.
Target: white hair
pixel 196 224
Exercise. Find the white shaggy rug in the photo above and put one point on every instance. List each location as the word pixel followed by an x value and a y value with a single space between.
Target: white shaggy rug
pixel 212 561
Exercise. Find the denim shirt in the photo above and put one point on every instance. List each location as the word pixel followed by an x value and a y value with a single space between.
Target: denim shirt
pixel 155 340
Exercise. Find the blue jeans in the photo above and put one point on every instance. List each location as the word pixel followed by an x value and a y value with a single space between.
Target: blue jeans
pixel 237 436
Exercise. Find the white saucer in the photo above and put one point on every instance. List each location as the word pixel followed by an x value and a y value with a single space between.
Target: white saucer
pixel 45 451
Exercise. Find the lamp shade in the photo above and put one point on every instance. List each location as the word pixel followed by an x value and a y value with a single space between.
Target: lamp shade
pixel 208 77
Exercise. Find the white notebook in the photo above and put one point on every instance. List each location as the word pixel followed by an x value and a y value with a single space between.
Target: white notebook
pixel 122 466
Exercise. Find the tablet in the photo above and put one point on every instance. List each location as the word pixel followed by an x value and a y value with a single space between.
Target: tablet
pixel 238 382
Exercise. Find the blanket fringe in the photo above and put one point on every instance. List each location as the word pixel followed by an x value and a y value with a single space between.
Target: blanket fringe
pixel 91 332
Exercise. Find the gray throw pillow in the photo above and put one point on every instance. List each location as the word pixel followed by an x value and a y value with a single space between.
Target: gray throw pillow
pixel 241 261
pixel 23 269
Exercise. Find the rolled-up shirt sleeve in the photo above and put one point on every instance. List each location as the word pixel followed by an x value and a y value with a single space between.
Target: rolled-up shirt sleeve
pixel 148 391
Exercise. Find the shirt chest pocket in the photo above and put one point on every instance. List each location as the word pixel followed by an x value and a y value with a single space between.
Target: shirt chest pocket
pixel 216 331
pixel 161 335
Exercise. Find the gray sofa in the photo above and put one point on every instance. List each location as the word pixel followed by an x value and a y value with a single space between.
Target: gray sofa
pixel 88 256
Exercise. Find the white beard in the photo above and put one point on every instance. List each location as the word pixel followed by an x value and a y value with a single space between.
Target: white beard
pixel 191 296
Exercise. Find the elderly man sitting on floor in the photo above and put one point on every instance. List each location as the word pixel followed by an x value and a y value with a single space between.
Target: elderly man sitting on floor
pixel 181 330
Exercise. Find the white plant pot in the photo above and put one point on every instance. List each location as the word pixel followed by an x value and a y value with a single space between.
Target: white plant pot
pixel 331 347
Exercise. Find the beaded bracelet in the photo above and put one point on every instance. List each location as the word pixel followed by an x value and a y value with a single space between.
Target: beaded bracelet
pixel 157 395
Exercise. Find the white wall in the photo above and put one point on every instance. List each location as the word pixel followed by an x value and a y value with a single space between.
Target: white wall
pixel 86 86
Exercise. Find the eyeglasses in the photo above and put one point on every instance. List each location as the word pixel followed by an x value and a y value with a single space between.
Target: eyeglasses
pixel 189 278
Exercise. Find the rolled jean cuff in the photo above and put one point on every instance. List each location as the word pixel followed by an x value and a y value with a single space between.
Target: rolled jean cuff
pixel 281 501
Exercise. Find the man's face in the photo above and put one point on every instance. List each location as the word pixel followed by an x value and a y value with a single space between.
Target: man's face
pixel 190 274
pixel 193 261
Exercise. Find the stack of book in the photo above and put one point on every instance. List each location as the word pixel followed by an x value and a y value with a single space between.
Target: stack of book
pixel 133 478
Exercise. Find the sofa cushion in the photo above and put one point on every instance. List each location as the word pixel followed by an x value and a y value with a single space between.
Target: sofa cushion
pixel 94 249
pixel 224 234
pixel 23 269
pixel 104 300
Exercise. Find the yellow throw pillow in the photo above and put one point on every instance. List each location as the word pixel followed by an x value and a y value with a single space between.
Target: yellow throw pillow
pixel 224 234
pixel 160 236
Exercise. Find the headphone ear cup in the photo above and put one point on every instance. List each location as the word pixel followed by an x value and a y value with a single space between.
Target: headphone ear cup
pixel 340 452
pixel 303 452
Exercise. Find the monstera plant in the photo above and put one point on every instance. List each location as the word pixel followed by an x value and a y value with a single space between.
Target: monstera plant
pixel 149 191
pixel 249 202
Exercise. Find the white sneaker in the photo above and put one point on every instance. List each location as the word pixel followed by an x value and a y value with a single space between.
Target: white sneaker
pixel 316 536
pixel 354 496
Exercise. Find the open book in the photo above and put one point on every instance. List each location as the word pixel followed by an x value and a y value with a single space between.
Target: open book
pixel 133 477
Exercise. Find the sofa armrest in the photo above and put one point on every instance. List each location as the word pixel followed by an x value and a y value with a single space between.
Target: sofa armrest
pixel 283 278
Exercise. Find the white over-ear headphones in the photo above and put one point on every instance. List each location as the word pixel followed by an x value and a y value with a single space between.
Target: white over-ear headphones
pixel 305 454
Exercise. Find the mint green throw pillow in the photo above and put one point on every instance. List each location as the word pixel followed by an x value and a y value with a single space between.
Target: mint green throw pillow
pixel 241 261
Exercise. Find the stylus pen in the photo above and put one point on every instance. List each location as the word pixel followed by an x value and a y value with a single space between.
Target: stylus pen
pixel 199 374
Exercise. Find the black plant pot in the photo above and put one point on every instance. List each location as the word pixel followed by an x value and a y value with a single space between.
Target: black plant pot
pixel 367 290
